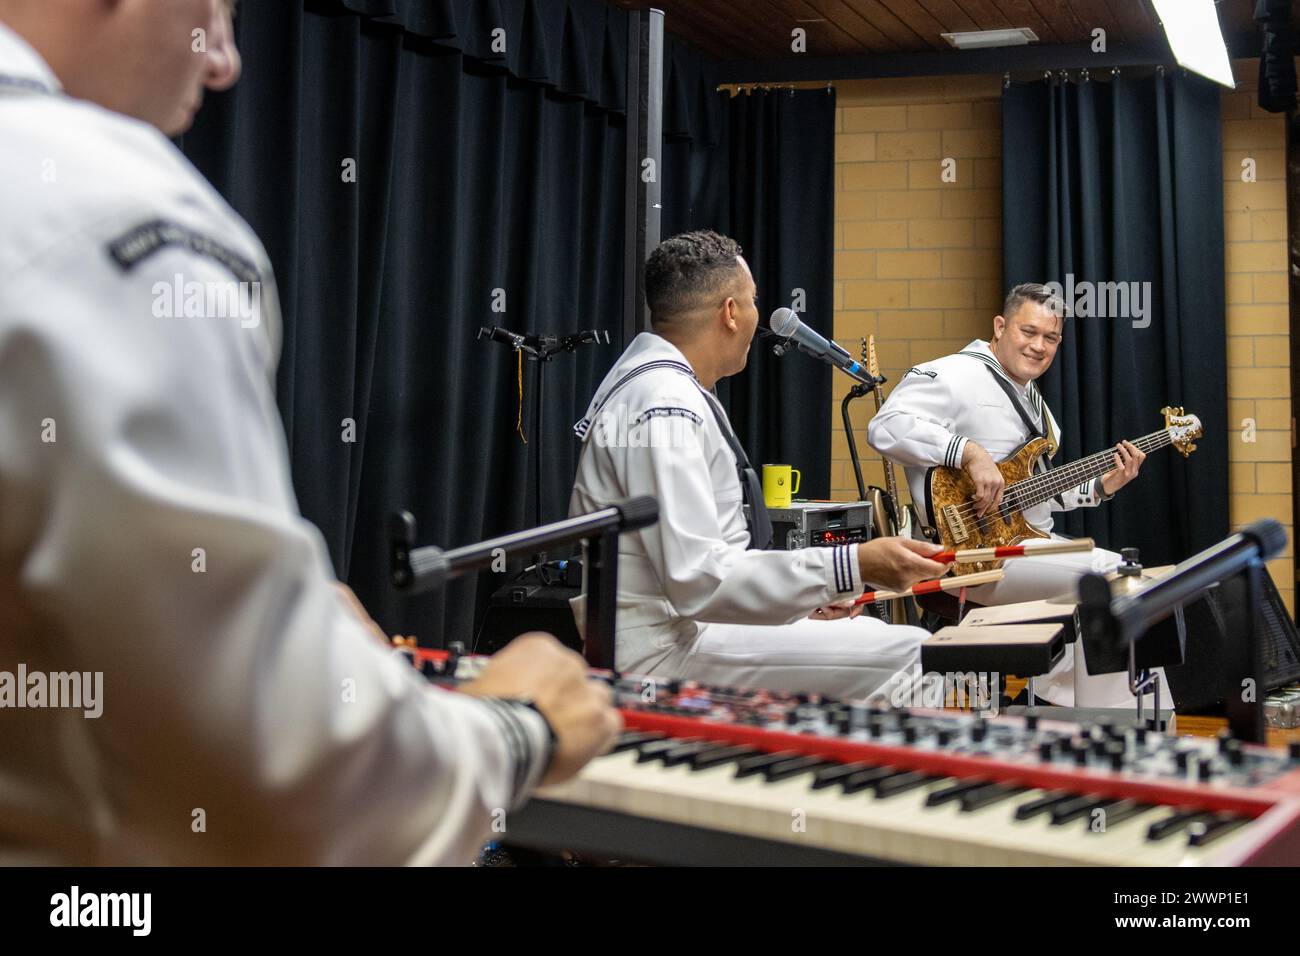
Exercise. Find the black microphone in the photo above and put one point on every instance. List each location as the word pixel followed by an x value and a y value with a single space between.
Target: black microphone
pixel 571 342
pixel 787 325
pixel 504 336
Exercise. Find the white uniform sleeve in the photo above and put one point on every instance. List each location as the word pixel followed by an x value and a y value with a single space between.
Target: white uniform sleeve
pixel 704 577
pixel 1085 495
pixel 915 425
pixel 150 526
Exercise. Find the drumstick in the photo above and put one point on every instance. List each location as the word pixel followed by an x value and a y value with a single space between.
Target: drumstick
pixel 1026 550
pixel 930 587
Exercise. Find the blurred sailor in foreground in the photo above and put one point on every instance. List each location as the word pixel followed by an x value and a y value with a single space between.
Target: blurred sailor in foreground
pixel 237 689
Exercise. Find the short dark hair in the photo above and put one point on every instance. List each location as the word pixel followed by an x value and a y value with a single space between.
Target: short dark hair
pixel 1033 292
pixel 685 270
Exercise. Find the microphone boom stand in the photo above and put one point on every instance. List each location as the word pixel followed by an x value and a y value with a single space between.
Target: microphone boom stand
pixel 541 349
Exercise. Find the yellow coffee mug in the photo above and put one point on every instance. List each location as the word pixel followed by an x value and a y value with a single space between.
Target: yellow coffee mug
pixel 777 489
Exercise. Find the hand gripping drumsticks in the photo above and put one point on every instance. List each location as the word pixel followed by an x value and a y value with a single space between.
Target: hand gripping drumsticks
pixel 1028 549
pixel 930 587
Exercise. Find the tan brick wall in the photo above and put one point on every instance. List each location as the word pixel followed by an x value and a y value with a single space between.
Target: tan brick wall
pixel 918 261
pixel 1259 341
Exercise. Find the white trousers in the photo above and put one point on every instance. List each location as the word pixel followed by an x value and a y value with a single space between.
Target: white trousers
pixel 1053 575
pixel 848 658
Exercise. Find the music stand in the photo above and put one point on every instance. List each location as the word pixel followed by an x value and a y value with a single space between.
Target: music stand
pixel 1236 564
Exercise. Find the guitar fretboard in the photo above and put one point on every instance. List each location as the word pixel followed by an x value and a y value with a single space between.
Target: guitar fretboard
pixel 1039 488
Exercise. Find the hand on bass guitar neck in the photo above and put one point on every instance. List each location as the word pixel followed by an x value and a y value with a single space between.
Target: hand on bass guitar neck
pixel 983 503
pixel 990 483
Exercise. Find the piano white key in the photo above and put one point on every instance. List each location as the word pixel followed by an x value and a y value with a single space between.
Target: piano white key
pixel 900 828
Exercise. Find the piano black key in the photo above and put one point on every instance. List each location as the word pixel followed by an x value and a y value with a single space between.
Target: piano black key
pixel 988 795
pixel 655 749
pixel 1205 832
pixel 835 773
pixel 1174 824
pixel 792 768
pixel 722 754
pixel 1077 807
pixel 685 751
pixel 634 738
pixel 868 778
pixel 760 762
pixel 953 791
pixel 1027 811
pixel 902 783
pixel 1118 813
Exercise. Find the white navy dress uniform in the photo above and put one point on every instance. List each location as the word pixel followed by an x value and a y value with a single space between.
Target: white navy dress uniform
pixel 694 600
pixel 933 411
pixel 246 717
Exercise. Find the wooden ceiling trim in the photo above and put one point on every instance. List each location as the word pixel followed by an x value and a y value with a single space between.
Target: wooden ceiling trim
pixel 737 34
pixel 824 33
pixel 1134 17
pixel 952 17
pixel 839 13
pixel 682 18
pixel 1021 13
pixel 908 25
pixel 1064 19
pixel 1095 13
pixel 985 14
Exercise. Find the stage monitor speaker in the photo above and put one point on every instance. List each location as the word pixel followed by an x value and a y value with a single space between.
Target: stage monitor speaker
pixel 1196 685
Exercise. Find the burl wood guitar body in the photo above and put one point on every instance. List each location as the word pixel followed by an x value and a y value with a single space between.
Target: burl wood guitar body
pixel 952 495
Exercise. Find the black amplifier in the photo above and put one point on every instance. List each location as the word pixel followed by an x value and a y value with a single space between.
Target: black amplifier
pixel 820 524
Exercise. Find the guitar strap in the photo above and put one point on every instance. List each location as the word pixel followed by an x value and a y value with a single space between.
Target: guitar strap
pixel 1036 431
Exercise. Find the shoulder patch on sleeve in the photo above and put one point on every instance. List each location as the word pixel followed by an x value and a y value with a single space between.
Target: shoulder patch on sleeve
pixel 140 242
pixel 667 411
pixel 921 371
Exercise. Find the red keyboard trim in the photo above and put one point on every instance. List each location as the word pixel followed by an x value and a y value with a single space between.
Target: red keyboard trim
pixel 1103 783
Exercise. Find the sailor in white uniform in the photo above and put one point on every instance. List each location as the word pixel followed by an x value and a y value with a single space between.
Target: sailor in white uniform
pixel 979 406
pixel 696 598
pixel 218 702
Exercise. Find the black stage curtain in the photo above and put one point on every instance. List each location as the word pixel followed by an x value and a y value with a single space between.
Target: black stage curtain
pixel 760 167
pixel 1121 181
pixel 483 177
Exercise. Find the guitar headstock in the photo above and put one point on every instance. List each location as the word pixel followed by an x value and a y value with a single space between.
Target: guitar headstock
pixel 1183 429
pixel 873 365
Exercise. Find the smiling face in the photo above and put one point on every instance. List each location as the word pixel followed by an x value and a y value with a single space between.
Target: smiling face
pixel 1026 343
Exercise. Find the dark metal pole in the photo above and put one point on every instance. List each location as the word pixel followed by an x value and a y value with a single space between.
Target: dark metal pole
pixel 644 155
pixel 602 600
pixel 1242 597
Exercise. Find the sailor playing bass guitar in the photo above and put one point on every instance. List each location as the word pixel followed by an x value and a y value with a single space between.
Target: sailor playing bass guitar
pixel 951 421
